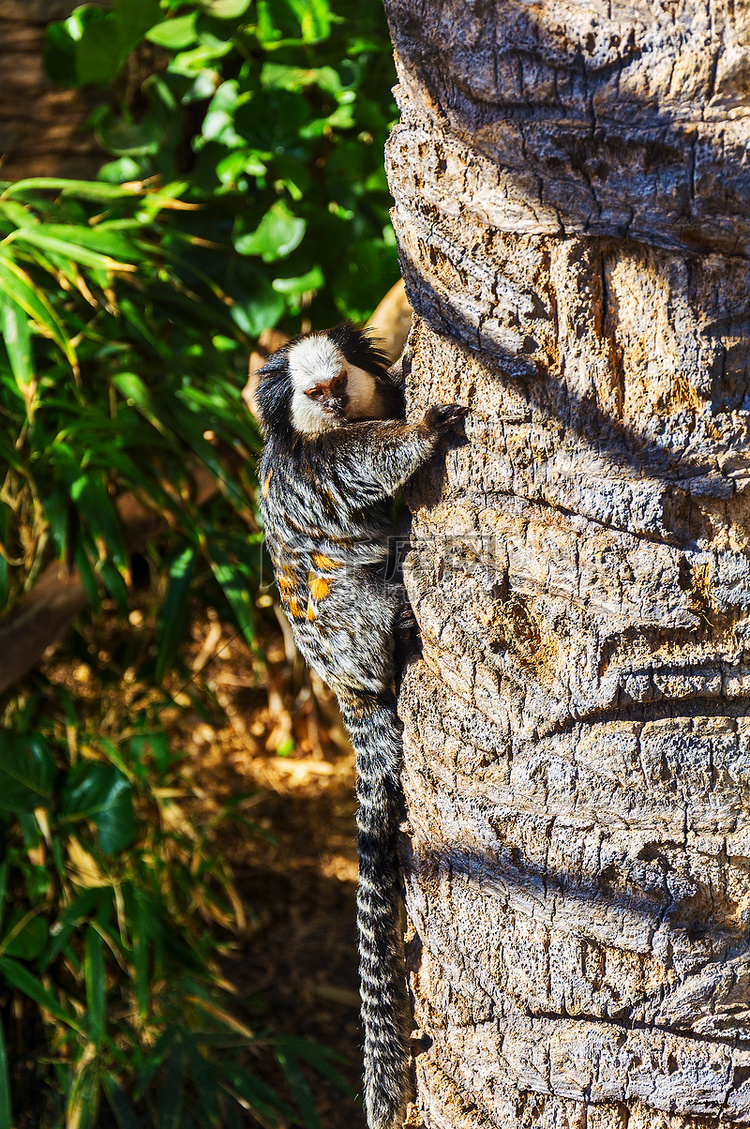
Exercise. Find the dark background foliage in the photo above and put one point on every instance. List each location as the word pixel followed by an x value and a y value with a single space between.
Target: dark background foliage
pixel 241 188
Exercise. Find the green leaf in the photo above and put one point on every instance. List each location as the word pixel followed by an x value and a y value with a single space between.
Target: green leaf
pixel 95 988
pixel 299 1087
pixel 259 307
pixel 259 1096
pixel 77 252
pixel 235 588
pixel 203 1076
pixel 19 287
pixel 170 1099
pixel 99 53
pixel 60 55
pixel 173 619
pixel 14 326
pixel 101 793
pixel 300 284
pixel 133 19
pixel 26 936
pixel 175 34
pixel 67 924
pixel 84 1095
pixel 27 773
pixel 226 9
pixel 19 977
pixel 277 234
pixel 119 1104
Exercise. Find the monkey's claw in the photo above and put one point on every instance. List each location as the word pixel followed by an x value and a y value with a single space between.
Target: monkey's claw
pixel 443 416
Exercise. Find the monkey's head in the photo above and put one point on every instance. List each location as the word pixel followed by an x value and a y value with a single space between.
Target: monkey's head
pixel 324 381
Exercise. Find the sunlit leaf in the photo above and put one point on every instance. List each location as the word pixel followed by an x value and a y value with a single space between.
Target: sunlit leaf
pixel 175 34
pixel 173 619
pixel 14 326
pixel 277 234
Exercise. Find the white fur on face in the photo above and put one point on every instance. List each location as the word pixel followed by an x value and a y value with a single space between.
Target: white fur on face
pixel 316 360
pixel 312 360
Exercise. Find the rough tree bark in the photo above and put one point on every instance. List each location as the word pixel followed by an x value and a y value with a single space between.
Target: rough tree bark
pixel 573 213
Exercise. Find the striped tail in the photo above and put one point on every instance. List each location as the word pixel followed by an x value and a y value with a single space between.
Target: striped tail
pixel 375 731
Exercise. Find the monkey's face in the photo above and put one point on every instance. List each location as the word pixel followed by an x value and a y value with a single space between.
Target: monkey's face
pixel 327 389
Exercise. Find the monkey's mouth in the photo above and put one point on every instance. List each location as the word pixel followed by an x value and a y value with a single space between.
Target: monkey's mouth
pixel 336 406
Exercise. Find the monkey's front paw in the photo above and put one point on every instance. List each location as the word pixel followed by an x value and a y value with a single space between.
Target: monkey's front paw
pixel 443 416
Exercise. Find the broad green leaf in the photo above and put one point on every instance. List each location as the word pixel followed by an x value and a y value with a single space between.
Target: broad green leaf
pixel 99 53
pixel 258 309
pixel 133 19
pixel 277 234
pixel 175 34
pixel 19 977
pixel 226 9
pixel 61 42
pixel 26 936
pixel 95 987
pixel 301 284
pixel 100 792
pixel 27 773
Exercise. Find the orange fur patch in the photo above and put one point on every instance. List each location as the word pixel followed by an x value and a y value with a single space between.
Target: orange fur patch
pixel 319 588
pixel 324 563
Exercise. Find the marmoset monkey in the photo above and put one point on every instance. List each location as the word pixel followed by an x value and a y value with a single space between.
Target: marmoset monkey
pixel 337 451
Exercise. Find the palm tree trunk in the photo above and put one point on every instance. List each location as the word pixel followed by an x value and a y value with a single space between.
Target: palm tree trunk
pixel 573 214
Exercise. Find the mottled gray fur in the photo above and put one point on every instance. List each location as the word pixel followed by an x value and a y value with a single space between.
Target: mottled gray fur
pixel 336 454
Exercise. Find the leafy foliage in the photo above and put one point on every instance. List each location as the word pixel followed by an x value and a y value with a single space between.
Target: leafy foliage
pixel 277 111
pixel 107 886
pixel 246 189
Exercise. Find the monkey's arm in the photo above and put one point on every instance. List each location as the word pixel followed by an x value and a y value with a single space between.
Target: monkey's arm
pixel 375 459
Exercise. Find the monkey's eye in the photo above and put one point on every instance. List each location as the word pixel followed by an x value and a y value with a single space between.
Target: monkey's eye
pixel 340 380
pixel 315 393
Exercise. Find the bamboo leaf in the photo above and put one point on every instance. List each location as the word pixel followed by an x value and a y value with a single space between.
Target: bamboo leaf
pixel 173 619
pixel 76 252
pixel 14 327
pixel 19 287
pixel 298 1085
pixel 19 977
pixel 95 987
